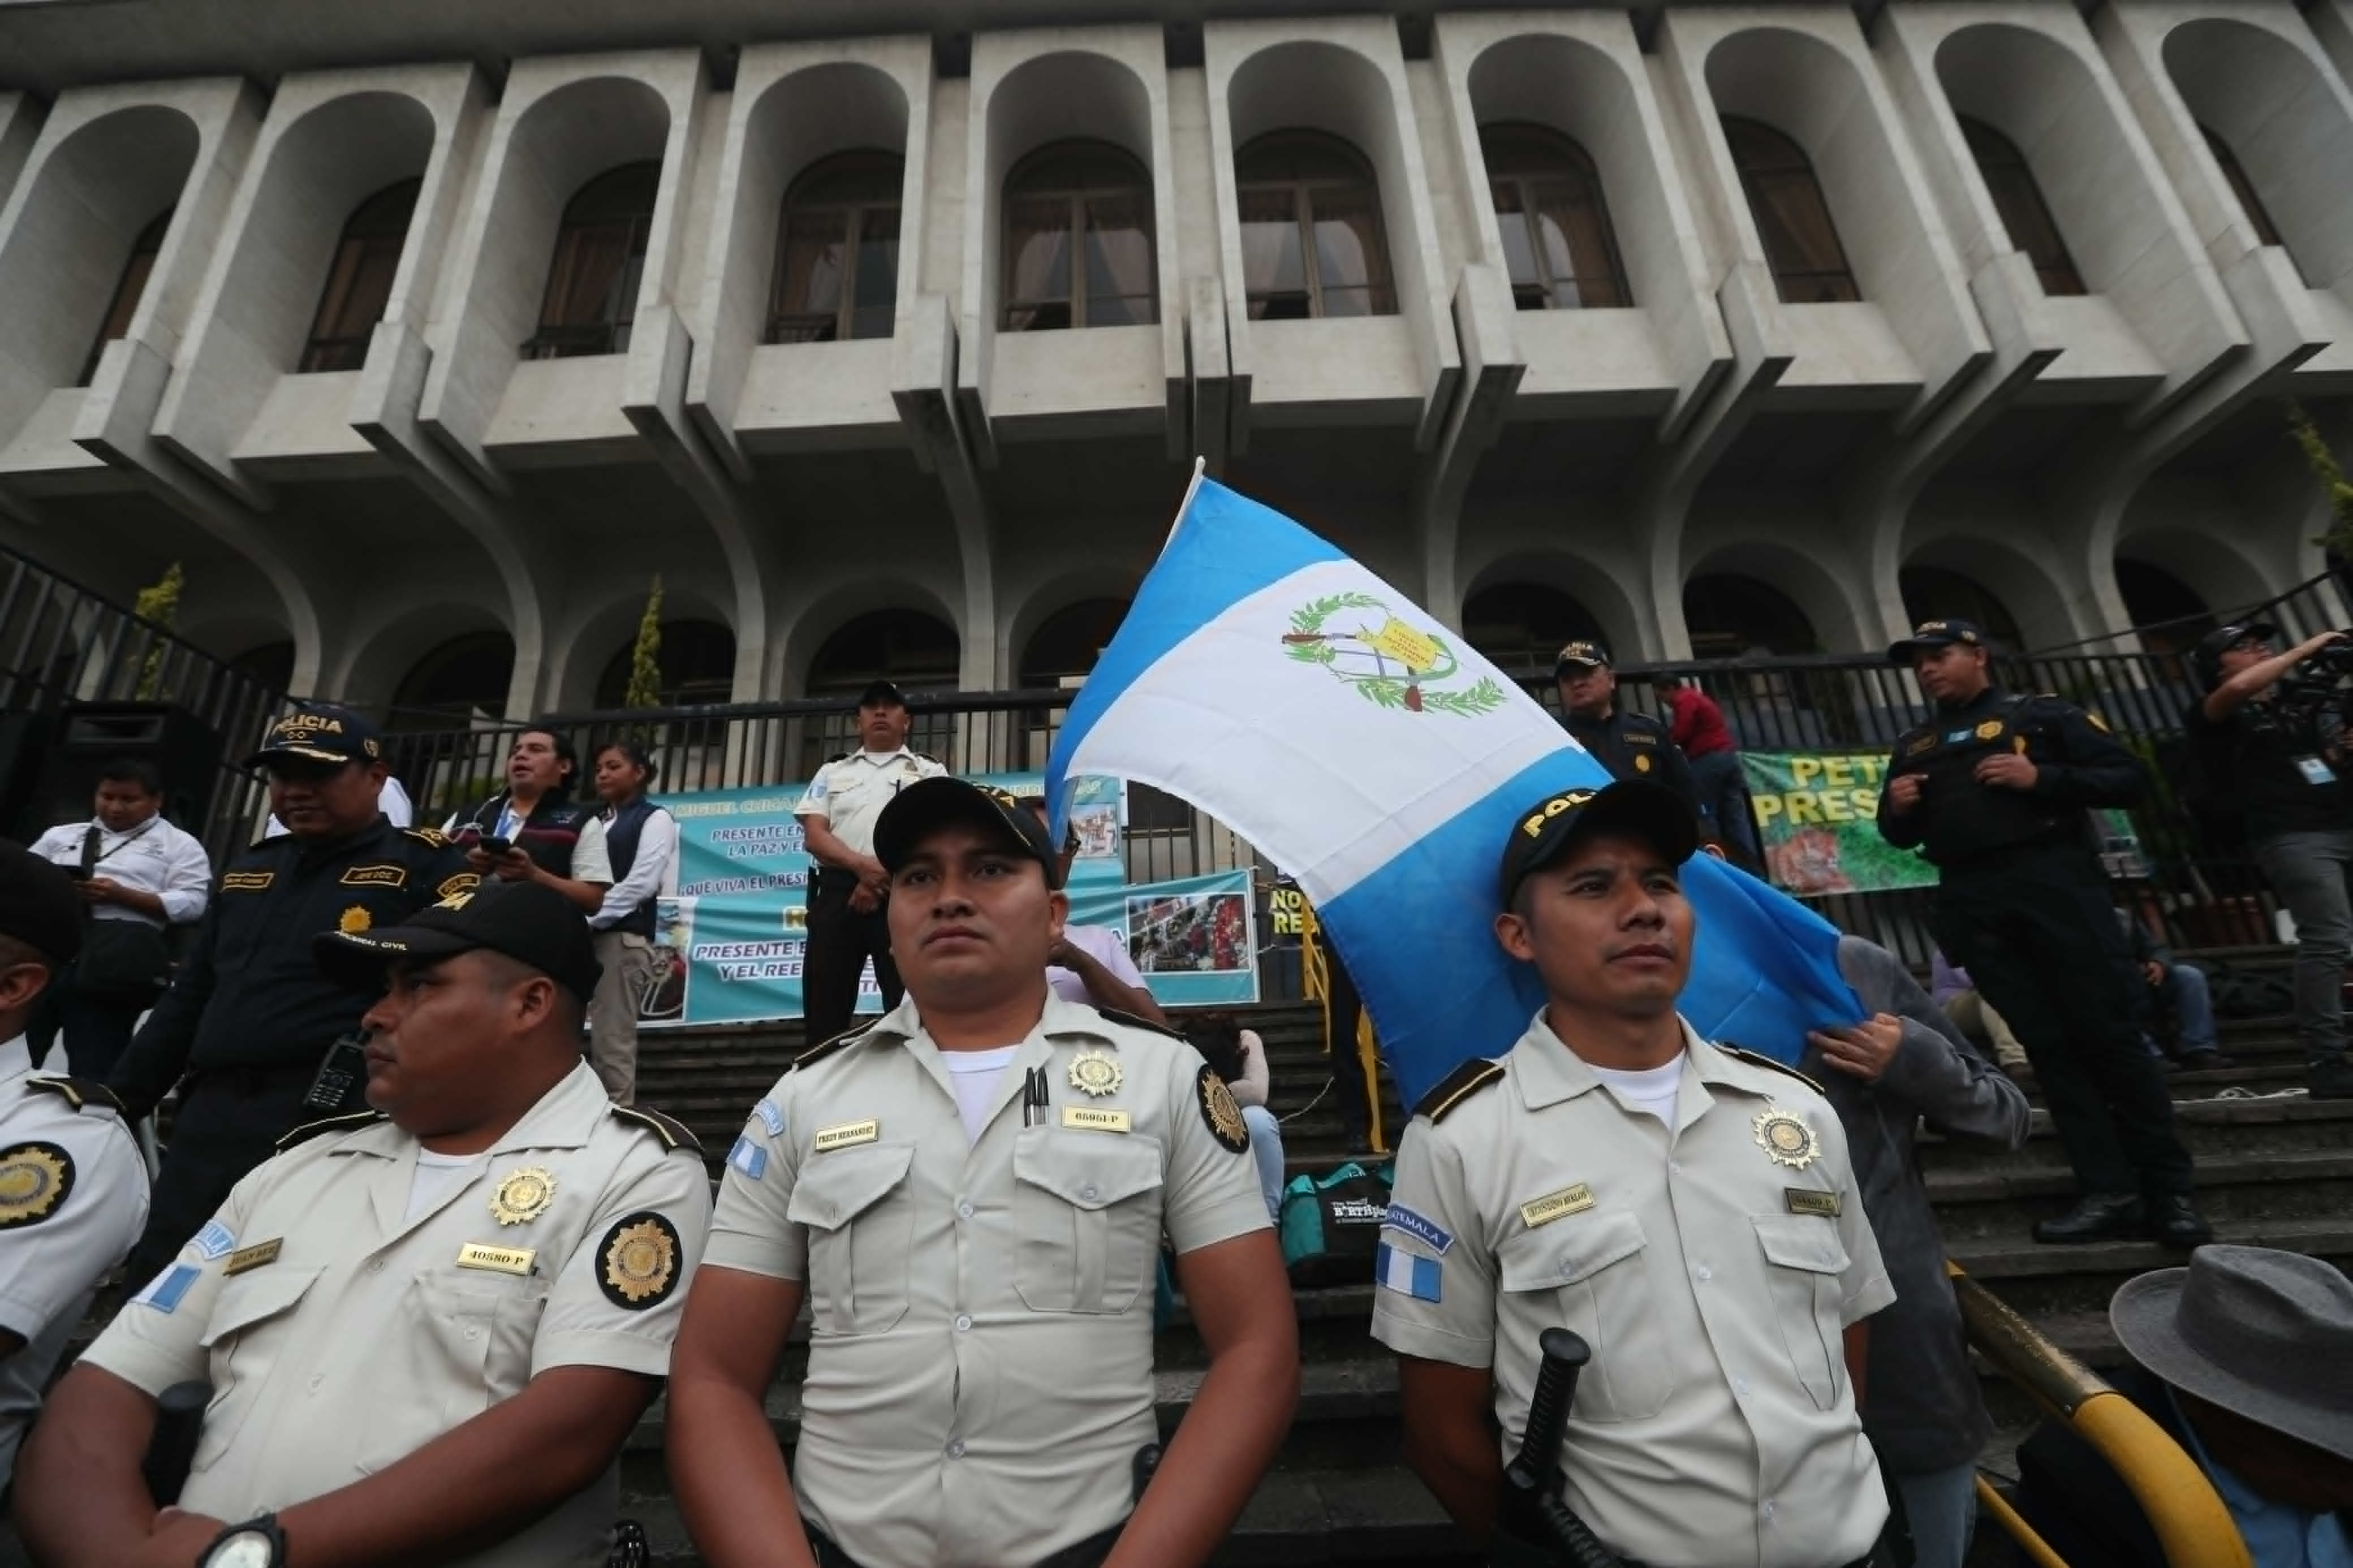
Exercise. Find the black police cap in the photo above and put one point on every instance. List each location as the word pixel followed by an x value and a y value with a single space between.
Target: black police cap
pixel 1547 830
pixel 930 803
pixel 1583 654
pixel 39 905
pixel 537 927
pixel 320 732
pixel 882 694
pixel 1937 634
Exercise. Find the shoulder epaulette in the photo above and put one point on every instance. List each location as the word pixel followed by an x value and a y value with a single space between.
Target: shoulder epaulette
pixel 1137 1021
pixel 431 835
pixel 351 1121
pixel 824 1049
pixel 673 1132
pixel 1457 1087
pixel 837 757
pixel 81 1093
pixel 1756 1060
pixel 929 758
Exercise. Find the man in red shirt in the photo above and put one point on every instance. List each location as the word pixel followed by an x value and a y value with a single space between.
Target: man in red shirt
pixel 1696 724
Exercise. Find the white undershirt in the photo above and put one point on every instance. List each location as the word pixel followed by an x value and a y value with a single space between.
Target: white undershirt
pixel 1651 1089
pixel 436 1174
pixel 974 1075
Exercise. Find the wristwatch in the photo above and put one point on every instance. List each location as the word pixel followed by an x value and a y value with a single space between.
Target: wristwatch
pixel 256 1544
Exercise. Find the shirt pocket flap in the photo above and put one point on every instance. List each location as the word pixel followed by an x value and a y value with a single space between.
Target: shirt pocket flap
pixel 243 1303
pixel 1583 1247
pixel 1089 1171
pixel 1802 1241
pixel 834 1189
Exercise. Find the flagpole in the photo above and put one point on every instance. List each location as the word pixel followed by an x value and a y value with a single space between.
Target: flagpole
pixel 1200 465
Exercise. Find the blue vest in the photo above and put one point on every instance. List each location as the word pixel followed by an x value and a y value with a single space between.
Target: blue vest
pixel 622 829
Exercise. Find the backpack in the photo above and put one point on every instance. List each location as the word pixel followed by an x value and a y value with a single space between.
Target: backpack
pixel 2244 993
pixel 1332 1223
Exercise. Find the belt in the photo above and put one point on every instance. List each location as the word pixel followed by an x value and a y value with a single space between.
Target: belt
pixel 1087 1554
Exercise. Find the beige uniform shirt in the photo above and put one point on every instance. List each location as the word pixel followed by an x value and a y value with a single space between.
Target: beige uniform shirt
pixel 1712 1269
pixel 340 1336
pixel 851 791
pixel 980 1360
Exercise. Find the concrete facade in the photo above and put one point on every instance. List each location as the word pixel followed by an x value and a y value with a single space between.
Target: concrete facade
pixel 1709 444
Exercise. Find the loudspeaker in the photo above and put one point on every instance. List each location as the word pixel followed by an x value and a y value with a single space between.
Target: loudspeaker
pixel 182 750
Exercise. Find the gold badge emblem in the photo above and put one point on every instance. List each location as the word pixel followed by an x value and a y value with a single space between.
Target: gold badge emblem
pixel 1989 730
pixel 640 1261
pixel 1219 1111
pixel 523 1194
pixel 354 920
pixel 1096 1073
pixel 33 1180
pixel 1642 761
pixel 1786 1139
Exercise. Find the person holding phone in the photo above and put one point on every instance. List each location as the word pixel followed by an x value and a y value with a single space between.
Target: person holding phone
pixel 533 831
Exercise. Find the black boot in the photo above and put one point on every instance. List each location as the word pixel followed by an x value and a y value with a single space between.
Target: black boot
pixel 2097 1216
pixel 2331 1077
pixel 2174 1221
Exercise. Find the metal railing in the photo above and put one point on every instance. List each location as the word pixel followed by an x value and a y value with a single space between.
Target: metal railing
pixel 2192 1522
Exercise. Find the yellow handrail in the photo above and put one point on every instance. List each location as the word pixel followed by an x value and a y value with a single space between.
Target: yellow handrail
pixel 2192 1525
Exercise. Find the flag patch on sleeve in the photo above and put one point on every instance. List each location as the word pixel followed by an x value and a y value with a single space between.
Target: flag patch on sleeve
pixel 749 1157
pixel 215 1240
pixel 166 1291
pixel 1405 1273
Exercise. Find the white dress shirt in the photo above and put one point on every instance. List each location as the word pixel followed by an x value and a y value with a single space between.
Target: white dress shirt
pixel 652 875
pixel 152 857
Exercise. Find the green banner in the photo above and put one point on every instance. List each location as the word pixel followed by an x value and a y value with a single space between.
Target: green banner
pixel 1817 815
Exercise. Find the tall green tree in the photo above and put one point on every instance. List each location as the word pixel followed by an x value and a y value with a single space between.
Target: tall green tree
pixel 2325 467
pixel 159 602
pixel 645 658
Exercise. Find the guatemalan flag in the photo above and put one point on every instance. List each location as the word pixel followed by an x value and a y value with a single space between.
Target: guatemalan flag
pixel 1276 684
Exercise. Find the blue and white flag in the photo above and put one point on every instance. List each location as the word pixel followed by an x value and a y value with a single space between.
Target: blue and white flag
pixel 1279 686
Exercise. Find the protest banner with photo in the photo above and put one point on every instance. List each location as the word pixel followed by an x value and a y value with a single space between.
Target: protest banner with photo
pixel 1195 940
pixel 730 945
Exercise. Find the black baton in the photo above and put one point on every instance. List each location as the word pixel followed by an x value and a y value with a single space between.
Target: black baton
pixel 1534 1528
pixel 179 1422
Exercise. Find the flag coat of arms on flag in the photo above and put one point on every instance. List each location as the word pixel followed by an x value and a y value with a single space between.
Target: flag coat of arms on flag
pixel 1366 750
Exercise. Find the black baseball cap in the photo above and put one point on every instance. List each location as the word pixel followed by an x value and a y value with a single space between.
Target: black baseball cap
pixel 1543 833
pixel 881 693
pixel 318 733
pixel 2223 639
pixel 39 905
pixel 1584 653
pixel 1936 633
pixel 931 803
pixel 533 925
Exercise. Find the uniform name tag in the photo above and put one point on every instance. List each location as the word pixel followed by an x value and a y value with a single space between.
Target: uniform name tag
pixel 1556 1205
pixel 376 877
pixel 497 1259
pixel 254 1256
pixel 1806 1200
pixel 250 881
pixel 1095 1121
pixel 845 1134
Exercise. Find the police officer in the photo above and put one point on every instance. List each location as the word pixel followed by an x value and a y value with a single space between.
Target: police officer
pixel 1685 1207
pixel 1994 790
pixel 428 1326
pixel 249 1020
pixel 73 1193
pixel 1630 745
pixel 970 1195
pixel 847 925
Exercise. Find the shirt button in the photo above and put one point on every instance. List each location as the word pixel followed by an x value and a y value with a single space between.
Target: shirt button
pixel 1087 1193
pixel 1740 1385
pixel 375 1265
pixel 955 1450
pixel 1676 1166
pixel 964 1322
pixel 1765 1508
pixel 963 1211
pixel 473 1331
pixel 1704 1272
pixel 316 1379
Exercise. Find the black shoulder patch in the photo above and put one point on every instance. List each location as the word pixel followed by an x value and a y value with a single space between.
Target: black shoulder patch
pixel 837 757
pixel 351 1121
pixel 824 1049
pixel 81 1093
pixel 1457 1087
pixel 1137 1021
pixel 1756 1060
pixel 432 836
pixel 927 757
pixel 669 1129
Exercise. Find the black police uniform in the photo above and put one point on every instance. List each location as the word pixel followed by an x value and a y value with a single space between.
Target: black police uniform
pixel 1636 746
pixel 2023 906
pixel 248 1018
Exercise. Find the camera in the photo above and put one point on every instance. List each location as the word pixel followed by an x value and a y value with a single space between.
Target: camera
pixel 2312 704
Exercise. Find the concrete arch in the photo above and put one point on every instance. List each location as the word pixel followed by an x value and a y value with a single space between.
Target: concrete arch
pixel 1582 578
pixel 1839 619
pixel 1051 595
pixel 375 657
pixel 2029 588
pixel 596 628
pixel 2287 122
pixel 835 603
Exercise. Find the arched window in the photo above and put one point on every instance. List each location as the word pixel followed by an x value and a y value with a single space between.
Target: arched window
pixel 359 283
pixel 1521 625
pixel 2170 614
pixel 697 662
pixel 1312 244
pixel 461 682
pixel 2266 231
pixel 1078 239
pixel 837 263
pixel 128 289
pixel 271 665
pixel 1728 614
pixel 1557 240
pixel 2023 212
pixel 1064 647
pixel 1932 592
pixel 600 252
pixel 1802 244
